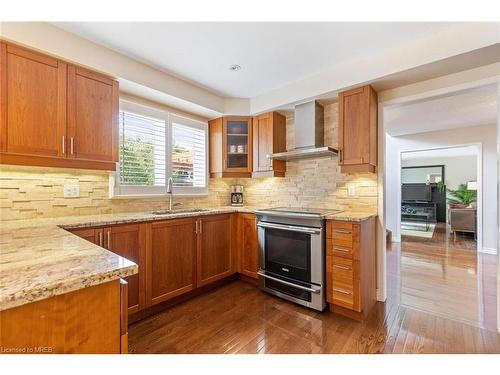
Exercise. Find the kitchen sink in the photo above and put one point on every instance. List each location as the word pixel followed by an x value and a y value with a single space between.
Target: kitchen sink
pixel 170 212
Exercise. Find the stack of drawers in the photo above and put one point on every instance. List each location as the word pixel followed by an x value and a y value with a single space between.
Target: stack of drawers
pixel 351 267
pixel 342 264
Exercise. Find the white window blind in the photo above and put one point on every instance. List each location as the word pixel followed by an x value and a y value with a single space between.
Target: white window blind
pixel 142 150
pixel 189 154
pixel 154 145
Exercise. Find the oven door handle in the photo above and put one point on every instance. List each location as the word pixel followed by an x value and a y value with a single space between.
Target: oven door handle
pixel 312 290
pixel 290 228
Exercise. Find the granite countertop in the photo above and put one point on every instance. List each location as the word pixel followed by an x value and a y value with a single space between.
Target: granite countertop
pixel 40 259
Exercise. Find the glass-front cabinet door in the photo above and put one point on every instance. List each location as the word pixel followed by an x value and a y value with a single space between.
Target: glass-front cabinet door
pixel 237 150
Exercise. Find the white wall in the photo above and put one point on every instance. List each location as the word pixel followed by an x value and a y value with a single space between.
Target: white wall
pixel 484 135
pixel 457 169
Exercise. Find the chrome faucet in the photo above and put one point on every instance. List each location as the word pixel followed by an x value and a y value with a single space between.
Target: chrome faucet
pixel 170 192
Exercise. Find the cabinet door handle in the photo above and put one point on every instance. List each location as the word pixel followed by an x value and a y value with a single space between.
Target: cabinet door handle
pixel 342 249
pixel 100 239
pixel 109 239
pixel 340 155
pixel 343 291
pixel 225 163
pixel 342 267
pixel 63 145
pixel 201 226
pixel 71 145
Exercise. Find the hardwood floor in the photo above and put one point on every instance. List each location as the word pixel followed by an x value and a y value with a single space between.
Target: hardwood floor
pixel 238 318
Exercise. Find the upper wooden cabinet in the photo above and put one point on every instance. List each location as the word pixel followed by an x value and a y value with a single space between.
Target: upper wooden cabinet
pixel 92 115
pixel 269 136
pixel 33 102
pixel 358 130
pixel 55 114
pixel 231 150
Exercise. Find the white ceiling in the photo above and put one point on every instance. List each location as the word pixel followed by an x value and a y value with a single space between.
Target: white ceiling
pixel 449 152
pixel 462 109
pixel 271 54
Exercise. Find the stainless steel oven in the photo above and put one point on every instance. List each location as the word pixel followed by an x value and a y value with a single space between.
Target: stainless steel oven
pixel 292 254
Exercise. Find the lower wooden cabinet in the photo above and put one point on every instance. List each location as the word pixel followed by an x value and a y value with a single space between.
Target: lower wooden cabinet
pixel 351 267
pixel 171 259
pixel 128 241
pixel 176 256
pixel 249 248
pixel 214 257
pixel 85 321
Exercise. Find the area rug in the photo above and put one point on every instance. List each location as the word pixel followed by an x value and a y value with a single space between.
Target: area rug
pixel 417 230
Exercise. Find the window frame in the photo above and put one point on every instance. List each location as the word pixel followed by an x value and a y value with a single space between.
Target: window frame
pixel 136 191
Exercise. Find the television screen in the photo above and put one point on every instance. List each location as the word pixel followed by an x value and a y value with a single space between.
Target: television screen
pixel 416 192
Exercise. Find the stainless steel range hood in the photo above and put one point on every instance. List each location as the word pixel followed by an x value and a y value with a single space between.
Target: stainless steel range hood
pixel 309 134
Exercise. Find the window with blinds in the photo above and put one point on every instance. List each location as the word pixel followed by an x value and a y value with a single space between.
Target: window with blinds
pixel 155 145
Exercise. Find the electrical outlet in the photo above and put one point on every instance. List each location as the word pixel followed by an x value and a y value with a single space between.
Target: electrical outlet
pixel 71 191
pixel 351 191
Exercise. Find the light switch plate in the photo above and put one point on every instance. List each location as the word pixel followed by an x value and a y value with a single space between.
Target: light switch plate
pixel 71 191
pixel 351 191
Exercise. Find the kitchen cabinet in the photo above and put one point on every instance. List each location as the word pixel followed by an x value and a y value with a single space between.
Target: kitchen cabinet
pixel 92 116
pixel 358 130
pixel 351 267
pixel 231 147
pixel 85 321
pixel 214 256
pixel 33 102
pixel 249 248
pixel 171 259
pixel 269 136
pixel 55 114
pixel 128 241
pixel 93 235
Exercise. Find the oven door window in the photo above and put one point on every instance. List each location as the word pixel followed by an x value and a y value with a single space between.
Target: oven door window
pixel 288 253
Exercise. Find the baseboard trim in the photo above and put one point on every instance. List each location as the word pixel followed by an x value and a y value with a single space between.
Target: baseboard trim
pixel 380 296
pixel 488 250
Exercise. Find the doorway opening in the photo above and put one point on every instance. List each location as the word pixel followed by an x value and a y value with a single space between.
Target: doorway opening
pixel 441 205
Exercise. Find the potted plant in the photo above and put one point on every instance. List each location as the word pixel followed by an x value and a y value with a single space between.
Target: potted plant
pixel 461 198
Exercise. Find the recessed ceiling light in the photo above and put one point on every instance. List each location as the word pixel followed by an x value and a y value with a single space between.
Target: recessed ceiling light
pixel 235 67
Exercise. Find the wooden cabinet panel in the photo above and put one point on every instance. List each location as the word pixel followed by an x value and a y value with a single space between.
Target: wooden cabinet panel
pixel 33 96
pixel 214 258
pixel 92 116
pixel 249 255
pixel 94 235
pixel 171 258
pixel 225 135
pixel 269 136
pixel 129 241
pixel 351 269
pixel 86 321
pixel 358 130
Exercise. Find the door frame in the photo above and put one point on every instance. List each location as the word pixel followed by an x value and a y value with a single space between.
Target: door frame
pixel 436 87
pixel 479 178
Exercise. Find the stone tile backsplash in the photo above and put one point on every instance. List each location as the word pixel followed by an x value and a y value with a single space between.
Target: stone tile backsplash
pixel 36 192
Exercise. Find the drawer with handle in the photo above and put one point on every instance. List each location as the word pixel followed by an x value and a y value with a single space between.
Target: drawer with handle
pixel 339 251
